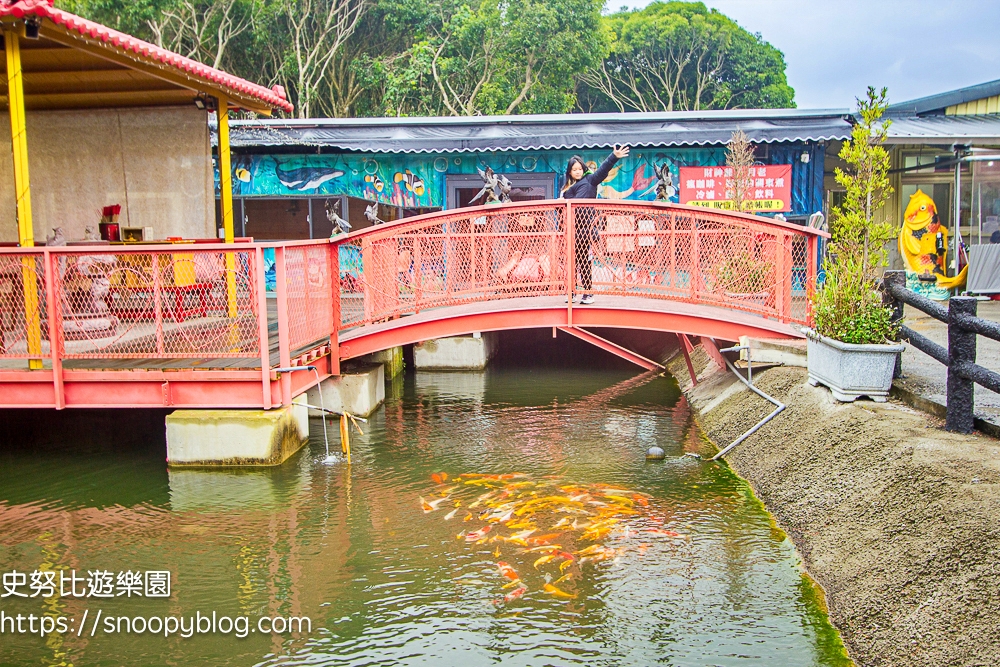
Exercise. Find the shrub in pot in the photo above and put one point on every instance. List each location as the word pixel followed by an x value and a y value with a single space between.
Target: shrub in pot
pixel 850 348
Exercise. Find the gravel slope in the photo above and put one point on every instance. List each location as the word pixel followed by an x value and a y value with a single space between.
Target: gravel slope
pixel 897 519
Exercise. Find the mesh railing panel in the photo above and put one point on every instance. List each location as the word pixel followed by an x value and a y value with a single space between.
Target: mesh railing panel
pixel 679 254
pixel 452 259
pixel 24 326
pixel 132 304
pixel 309 271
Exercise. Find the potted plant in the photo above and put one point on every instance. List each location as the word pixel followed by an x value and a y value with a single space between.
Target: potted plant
pixel 849 348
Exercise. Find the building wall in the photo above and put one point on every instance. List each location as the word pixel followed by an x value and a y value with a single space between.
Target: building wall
pixel 156 163
pixel 419 180
pixel 986 105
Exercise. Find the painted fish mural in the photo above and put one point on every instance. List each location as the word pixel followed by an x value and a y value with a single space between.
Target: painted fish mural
pixel 305 179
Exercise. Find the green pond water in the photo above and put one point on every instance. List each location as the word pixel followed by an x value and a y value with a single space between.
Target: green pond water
pixel 383 582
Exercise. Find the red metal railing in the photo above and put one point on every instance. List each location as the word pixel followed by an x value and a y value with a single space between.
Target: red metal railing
pixel 190 315
pixel 620 248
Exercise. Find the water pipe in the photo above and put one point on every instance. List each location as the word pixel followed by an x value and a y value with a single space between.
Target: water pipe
pixel 319 386
pixel 779 405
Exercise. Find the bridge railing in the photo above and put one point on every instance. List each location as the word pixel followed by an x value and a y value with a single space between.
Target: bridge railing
pixel 608 247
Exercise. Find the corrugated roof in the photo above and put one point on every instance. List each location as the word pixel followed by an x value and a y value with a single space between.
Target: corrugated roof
pixel 945 129
pixel 938 103
pixel 542 132
pixel 135 47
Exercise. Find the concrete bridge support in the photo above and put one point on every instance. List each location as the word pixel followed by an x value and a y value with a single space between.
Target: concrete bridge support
pixel 359 390
pixel 391 360
pixel 236 437
pixel 458 353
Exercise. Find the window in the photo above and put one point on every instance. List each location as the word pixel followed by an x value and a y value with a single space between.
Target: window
pixel 526 187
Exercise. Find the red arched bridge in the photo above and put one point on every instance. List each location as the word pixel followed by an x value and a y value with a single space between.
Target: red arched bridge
pixel 212 325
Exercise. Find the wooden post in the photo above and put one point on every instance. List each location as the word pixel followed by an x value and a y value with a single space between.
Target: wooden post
pixel 961 350
pixel 226 201
pixel 22 194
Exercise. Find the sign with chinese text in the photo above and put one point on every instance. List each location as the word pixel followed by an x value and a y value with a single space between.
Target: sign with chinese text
pixel 711 187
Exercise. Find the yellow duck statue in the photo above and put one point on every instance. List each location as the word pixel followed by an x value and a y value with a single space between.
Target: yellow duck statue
pixel 923 244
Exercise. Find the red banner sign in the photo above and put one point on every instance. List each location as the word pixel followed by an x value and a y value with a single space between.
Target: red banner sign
pixel 711 187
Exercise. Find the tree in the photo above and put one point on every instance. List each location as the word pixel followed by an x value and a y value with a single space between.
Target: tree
pixel 740 158
pixel 681 56
pixel 496 56
pixel 849 307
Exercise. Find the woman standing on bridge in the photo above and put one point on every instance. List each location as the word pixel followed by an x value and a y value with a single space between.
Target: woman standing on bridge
pixel 581 183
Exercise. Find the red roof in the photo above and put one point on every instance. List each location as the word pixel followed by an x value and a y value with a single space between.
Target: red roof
pixel 274 97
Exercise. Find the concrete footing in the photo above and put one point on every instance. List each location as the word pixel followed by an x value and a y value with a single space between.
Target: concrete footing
pixel 784 351
pixel 235 437
pixel 459 353
pixel 391 360
pixel 359 390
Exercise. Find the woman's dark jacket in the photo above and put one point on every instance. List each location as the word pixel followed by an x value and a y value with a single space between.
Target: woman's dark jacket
pixel 586 187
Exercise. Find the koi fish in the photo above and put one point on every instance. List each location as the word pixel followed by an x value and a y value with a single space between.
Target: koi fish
pixel 440 477
pixel 542 539
pixel 477 534
pixel 552 590
pixel 432 505
pixel 547 548
pixel 660 531
pixel 563 566
pixel 639 499
pixel 592 549
pixel 523 535
pixel 515 594
pixel 511 584
pixel 565 577
pixel 468 516
pixel 501 518
pixel 548 558
pixel 514 525
pixel 507 571
pixel 451 515
pixel 621 499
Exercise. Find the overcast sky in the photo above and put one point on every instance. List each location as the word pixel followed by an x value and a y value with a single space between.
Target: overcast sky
pixel 836 48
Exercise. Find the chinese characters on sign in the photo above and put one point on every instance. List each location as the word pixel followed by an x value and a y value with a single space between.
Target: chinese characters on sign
pixel 93 584
pixel 711 187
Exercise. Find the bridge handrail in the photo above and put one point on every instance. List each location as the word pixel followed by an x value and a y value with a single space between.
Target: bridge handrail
pixel 650 249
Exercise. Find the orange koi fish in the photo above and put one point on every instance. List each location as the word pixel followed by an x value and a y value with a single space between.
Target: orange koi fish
pixel 507 571
pixel 477 534
pixel 440 477
pixel 542 539
pixel 552 590
pixel 640 500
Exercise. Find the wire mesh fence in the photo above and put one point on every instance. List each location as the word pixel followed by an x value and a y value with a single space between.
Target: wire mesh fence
pixel 131 304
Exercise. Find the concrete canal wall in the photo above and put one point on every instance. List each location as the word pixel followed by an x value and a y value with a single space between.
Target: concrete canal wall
pixel 898 520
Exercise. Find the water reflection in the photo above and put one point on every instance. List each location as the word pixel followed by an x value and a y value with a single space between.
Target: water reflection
pixel 385 583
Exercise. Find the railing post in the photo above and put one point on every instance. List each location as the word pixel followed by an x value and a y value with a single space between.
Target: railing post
pixel 961 350
pixel 890 279
pixel 335 295
pixel 284 353
pixel 812 273
pixel 55 329
pixel 570 227
pixel 263 338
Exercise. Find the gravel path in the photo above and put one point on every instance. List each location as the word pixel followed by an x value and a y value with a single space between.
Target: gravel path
pixel 897 519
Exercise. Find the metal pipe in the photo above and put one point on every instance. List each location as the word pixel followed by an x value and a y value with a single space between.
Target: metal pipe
pixel 779 407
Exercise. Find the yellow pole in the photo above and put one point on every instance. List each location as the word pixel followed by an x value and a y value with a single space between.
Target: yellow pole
pixel 226 201
pixel 22 193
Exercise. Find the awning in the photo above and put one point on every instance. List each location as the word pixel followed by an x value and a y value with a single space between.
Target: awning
pixel 542 132
pixel 945 130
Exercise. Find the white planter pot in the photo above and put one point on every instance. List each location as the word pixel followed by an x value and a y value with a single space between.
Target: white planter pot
pixel 851 370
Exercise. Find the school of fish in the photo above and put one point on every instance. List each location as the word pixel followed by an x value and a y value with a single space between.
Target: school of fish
pixel 553 528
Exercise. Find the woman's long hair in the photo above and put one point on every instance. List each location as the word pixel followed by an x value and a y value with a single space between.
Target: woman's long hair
pixel 568 180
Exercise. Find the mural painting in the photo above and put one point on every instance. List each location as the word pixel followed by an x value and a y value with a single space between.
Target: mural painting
pixel 418 180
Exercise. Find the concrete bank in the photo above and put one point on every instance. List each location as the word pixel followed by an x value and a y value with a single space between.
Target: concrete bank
pixel 898 520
